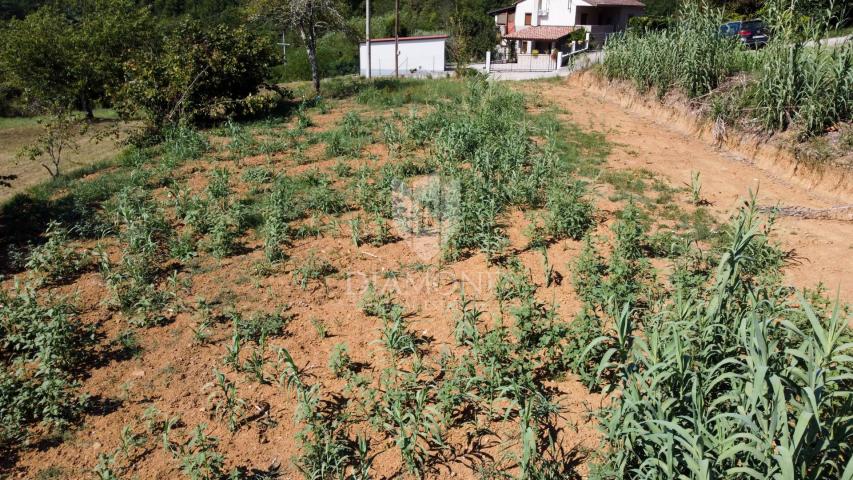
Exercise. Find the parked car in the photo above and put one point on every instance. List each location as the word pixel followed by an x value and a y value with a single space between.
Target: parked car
pixel 752 33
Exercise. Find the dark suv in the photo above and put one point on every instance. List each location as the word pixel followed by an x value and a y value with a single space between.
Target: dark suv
pixel 752 33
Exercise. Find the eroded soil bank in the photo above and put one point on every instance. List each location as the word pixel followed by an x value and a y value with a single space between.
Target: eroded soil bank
pixel 672 143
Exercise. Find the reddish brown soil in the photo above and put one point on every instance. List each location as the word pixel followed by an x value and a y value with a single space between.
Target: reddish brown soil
pixel 650 136
pixel 172 372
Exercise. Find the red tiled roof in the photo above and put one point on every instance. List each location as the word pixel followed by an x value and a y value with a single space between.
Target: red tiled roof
pixel 408 39
pixel 541 32
pixel 615 3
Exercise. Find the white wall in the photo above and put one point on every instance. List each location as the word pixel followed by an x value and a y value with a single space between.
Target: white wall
pixel 567 13
pixel 527 6
pixel 424 56
pixel 560 13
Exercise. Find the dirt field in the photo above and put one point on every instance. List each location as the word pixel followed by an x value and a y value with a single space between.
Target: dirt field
pixel 656 139
pixel 167 370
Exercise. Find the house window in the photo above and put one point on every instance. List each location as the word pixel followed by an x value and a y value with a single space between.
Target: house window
pixel 583 19
pixel 528 19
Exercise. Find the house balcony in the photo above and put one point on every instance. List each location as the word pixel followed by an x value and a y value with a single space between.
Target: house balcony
pixel 598 28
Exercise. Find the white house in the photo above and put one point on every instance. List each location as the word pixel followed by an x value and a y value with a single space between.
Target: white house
pixel 542 26
pixel 419 56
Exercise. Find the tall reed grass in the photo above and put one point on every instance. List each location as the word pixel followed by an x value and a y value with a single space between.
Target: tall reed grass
pixel 795 82
pixel 732 380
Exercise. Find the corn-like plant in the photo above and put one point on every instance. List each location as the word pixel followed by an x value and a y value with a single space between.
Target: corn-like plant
pixel 570 215
pixel 695 188
pixel 691 55
pixel 356 234
pixel 731 381
pixel 256 364
pixel 326 448
pixel 791 82
pixel 226 404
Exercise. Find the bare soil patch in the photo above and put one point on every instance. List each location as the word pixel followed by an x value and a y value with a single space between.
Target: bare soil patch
pixel 656 139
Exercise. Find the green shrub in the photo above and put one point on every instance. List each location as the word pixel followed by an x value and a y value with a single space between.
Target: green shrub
pixel 588 273
pixel 260 326
pixel 257 176
pixel 349 138
pixel 182 143
pixel 375 304
pixel 340 362
pixel 313 268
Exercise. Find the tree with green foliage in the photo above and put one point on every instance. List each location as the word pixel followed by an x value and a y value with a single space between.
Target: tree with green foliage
pixel 196 74
pixel 70 54
pixel 310 18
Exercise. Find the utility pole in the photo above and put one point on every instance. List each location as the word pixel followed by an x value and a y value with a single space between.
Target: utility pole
pixel 397 38
pixel 367 34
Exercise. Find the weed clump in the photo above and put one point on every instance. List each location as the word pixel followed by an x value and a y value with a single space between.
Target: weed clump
pixel 43 345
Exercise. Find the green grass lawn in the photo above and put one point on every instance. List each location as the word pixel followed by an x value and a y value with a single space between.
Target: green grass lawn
pixel 14 122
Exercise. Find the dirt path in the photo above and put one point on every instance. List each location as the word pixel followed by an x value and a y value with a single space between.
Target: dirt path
pixel 645 140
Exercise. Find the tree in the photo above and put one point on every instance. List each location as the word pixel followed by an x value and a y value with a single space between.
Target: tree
pixel 62 130
pixel 37 57
pixel 71 53
pixel 310 18
pixel 196 74
pixel 102 32
pixel 472 34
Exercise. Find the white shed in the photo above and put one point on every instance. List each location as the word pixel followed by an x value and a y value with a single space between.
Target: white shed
pixel 419 56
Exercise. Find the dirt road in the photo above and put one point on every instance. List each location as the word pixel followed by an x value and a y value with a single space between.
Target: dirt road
pixel 648 139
